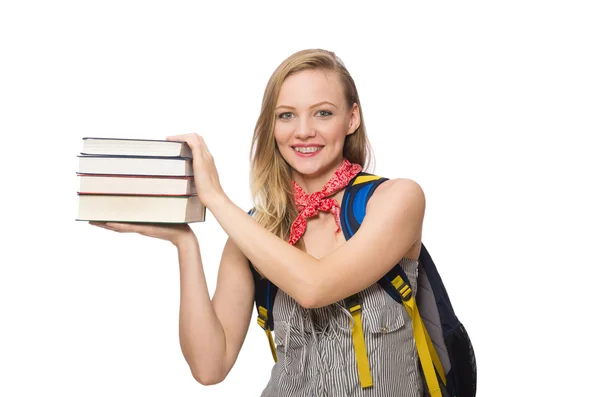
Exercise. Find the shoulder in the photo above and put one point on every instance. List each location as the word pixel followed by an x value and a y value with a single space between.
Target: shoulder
pixel 398 195
pixel 399 188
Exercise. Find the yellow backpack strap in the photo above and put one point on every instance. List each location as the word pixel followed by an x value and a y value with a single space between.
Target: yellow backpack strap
pixel 263 321
pixel 430 360
pixel 358 339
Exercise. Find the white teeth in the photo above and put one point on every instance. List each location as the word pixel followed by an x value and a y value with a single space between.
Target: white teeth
pixel 307 149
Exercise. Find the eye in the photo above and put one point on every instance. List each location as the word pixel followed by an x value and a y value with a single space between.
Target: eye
pixel 324 113
pixel 285 115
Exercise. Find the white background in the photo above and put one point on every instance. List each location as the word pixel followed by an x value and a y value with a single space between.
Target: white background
pixel 492 108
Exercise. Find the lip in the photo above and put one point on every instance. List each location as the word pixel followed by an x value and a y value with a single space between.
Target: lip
pixel 306 145
pixel 307 154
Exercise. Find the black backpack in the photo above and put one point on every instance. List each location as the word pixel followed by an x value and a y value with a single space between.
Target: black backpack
pixel 445 351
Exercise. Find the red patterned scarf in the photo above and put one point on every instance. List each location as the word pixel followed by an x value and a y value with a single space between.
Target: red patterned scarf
pixel 309 205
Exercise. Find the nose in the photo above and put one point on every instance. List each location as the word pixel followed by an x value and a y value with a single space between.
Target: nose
pixel 304 128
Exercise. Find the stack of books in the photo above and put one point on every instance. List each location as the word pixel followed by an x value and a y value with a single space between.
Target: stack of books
pixel 137 180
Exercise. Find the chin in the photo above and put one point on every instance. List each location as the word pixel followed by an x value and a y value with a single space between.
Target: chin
pixel 308 170
pixel 309 166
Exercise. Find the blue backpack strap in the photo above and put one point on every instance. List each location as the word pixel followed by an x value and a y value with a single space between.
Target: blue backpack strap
pixel 264 296
pixel 354 201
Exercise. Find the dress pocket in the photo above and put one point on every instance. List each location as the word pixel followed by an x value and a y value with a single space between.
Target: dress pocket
pixel 292 349
pixel 388 338
pixel 289 334
pixel 383 319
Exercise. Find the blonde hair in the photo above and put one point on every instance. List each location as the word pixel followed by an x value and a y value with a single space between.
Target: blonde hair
pixel 270 175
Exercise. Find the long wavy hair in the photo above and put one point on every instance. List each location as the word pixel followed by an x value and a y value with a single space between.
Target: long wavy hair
pixel 270 174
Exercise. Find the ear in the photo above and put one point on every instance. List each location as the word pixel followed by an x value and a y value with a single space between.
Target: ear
pixel 354 119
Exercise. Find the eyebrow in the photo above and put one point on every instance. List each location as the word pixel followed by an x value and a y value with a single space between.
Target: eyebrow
pixel 313 106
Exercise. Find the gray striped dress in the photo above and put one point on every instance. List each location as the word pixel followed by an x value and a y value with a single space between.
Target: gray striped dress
pixel 316 355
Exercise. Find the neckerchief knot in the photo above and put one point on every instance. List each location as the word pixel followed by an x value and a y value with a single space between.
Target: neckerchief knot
pixel 309 205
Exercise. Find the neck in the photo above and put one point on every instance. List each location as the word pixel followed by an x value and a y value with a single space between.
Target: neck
pixel 315 182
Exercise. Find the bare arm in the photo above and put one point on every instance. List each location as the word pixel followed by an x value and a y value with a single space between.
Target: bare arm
pixel 392 224
pixel 211 333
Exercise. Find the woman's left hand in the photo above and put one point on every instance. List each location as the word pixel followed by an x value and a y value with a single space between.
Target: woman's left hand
pixel 206 176
pixel 175 233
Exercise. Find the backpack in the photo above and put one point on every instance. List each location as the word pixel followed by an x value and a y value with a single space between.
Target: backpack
pixel 446 355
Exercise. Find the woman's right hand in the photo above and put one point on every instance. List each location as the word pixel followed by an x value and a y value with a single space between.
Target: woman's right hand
pixel 175 233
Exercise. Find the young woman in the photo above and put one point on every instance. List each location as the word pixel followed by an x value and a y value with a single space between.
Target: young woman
pixel 309 142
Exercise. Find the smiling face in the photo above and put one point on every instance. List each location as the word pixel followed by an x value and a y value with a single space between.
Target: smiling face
pixel 312 120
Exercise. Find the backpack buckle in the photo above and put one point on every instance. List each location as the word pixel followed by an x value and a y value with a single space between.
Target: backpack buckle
pixel 405 292
pixel 262 318
pixel 403 288
pixel 353 303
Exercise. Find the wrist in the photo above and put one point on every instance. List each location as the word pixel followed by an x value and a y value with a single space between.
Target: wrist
pixel 184 239
pixel 217 202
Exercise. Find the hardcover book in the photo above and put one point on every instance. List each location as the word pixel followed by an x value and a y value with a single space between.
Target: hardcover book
pixel 134 165
pixel 136 184
pixel 135 208
pixel 135 147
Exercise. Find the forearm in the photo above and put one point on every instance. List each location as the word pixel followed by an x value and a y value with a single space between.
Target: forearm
pixel 201 335
pixel 291 269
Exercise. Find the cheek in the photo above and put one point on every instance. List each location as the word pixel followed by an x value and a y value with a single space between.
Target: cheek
pixel 282 133
pixel 337 130
pixel 280 139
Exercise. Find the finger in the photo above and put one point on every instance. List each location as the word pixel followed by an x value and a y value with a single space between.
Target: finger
pixel 183 137
pixel 192 140
pixel 98 224
pixel 179 138
pixel 102 225
pixel 123 227
pixel 203 147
